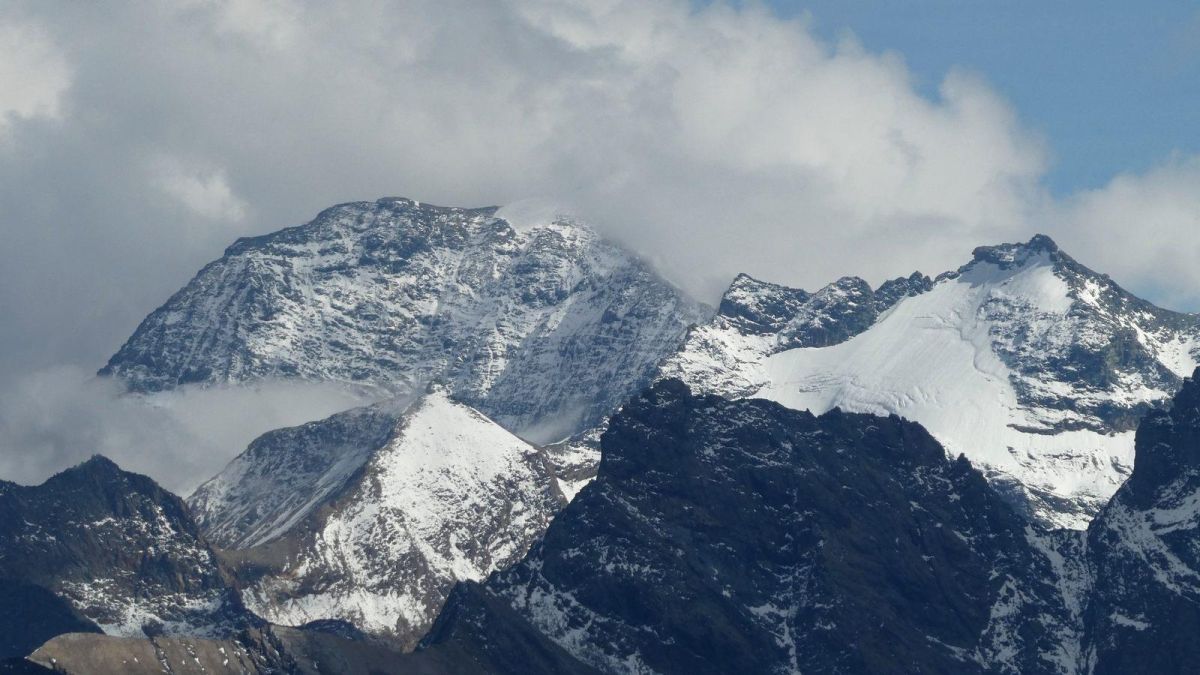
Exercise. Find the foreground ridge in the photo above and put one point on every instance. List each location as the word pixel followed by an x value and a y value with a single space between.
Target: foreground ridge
pixel 97 548
pixel 738 535
pixel 783 542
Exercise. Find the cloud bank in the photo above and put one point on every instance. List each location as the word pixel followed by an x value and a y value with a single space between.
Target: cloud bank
pixel 139 139
pixel 61 416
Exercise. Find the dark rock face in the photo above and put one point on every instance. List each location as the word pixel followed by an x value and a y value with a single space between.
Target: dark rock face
pixel 739 536
pixel 120 551
pixel 833 314
pixel 546 330
pixel 756 307
pixel 895 290
pixel 30 615
pixel 1168 446
pixel 1144 548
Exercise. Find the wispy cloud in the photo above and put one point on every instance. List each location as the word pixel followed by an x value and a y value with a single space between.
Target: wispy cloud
pixel 33 73
pixel 205 192
pixel 59 417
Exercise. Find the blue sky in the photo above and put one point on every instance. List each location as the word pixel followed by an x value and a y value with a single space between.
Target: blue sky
pixel 1111 86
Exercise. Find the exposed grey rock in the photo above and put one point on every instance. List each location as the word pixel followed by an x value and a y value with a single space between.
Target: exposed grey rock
pixel 272 650
pixel 546 330
pixel 895 290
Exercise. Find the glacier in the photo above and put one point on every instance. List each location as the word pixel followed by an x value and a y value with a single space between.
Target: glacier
pixel 1033 366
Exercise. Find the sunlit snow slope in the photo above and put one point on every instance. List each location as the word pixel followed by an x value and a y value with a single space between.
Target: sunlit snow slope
pixel 1032 365
pixel 376 536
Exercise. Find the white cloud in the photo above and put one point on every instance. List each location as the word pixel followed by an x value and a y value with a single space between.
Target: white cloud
pixel 58 417
pixel 33 74
pixel 205 192
pixel 271 23
pixel 1143 229
pixel 713 141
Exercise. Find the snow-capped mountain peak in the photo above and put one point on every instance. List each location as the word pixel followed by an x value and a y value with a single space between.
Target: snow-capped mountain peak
pixel 371 515
pixel 545 328
pixel 1030 363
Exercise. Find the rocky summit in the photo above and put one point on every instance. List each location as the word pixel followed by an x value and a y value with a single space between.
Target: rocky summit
pixel 97 548
pixel 545 329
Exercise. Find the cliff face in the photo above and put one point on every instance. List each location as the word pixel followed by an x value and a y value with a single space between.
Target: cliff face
pixel 726 536
pixel 120 553
pixel 1144 550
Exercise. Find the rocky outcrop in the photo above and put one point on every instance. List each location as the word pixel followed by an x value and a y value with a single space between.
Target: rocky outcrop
pixel 267 651
pixel 121 552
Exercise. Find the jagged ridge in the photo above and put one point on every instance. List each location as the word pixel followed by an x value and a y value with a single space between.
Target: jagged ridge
pixel 1032 364
pixel 756 319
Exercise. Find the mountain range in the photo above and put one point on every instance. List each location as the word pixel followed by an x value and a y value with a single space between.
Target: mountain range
pixel 571 466
pixel 1035 367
